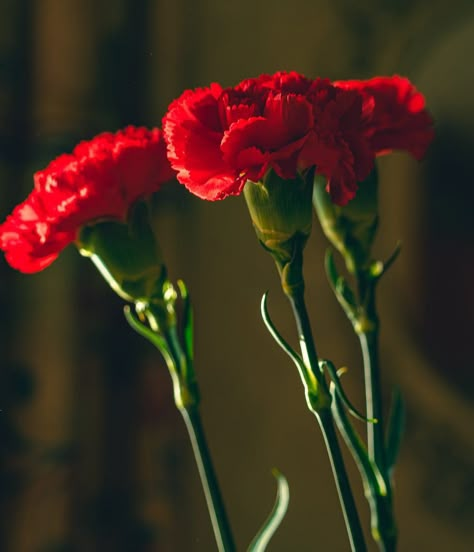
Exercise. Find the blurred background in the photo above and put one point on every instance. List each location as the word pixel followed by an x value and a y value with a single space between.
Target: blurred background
pixel 94 456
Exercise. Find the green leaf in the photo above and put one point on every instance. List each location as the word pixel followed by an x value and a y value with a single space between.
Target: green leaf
pixel 395 427
pixel 295 357
pixel 263 537
pixel 334 375
pixel 372 478
pixel 155 339
pixel 393 257
pixel 331 270
pixel 343 292
pixel 188 321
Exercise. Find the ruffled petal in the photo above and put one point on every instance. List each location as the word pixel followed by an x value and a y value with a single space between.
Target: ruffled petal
pixel 100 180
pixel 193 131
pixel 28 236
pixel 396 117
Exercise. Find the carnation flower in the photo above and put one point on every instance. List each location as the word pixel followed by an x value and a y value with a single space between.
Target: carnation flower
pixel 395 115
pixel 218 139
pixel 99 181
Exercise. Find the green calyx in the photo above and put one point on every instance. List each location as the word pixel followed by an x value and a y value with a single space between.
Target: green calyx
pixel 351 228
pixel 281 213
pixel 127 255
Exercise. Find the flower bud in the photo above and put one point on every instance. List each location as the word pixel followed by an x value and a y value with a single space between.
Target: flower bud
pixel 281 213
pixel 351 229
pixel 127 255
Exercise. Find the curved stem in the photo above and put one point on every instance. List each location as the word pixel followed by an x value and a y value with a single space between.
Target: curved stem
pixel 215 504
pixel 319 401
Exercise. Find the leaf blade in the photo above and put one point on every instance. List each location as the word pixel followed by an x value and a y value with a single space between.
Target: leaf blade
pixel 271 524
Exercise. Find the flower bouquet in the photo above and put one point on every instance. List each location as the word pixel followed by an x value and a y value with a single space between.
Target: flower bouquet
pixel 291 146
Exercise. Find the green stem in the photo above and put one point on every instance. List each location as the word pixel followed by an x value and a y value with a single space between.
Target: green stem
pixel 383 524
pixel 186 396
pixel 305 335
pixel 373 398
pixel 351 517
pixel 319 401
pixel 215 504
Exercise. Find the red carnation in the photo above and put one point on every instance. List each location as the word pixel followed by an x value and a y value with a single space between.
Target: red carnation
pixel 100 180
pixel 218 139
pixel 395 115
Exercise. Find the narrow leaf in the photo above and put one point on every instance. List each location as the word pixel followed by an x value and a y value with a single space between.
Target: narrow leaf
pixel 334 375
pixel 343 292
pixel 371 476
pixel 155 339
pixel 331 269
pixel 295 357
pixel 188 321
pixel 263 537
pixel 395 427
pixel 389 262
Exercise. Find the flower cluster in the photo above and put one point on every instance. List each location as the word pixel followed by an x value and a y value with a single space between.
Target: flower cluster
pixel 288 143
pixel 218 139
pixel 100 180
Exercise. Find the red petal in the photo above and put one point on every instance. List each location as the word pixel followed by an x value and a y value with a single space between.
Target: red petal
pixel 397 118
pixel 101 179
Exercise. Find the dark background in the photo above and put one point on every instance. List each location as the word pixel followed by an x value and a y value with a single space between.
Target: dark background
pixel 93 454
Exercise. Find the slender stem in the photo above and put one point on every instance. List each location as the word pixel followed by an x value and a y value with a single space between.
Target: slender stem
pixel 373 398
pixel 188 405
pixel 351 517
pixel 215 504
pixel 368 336
pixel 305 334
pixel 323 414
pixel 186 396
pixel 383 523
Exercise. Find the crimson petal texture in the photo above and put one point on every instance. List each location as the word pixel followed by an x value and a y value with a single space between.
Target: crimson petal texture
pixel 194 130
pixel 219 138
pixel 395 115
pixel 100 180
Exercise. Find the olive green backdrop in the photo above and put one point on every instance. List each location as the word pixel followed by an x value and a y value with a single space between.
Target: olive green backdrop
pixel 93 455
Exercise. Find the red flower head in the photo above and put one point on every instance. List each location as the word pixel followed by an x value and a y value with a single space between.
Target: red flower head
pixel 100 180
pixel 395 115
pixel 218 139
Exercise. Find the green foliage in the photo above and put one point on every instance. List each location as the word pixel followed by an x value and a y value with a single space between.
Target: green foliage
pixel 268 529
